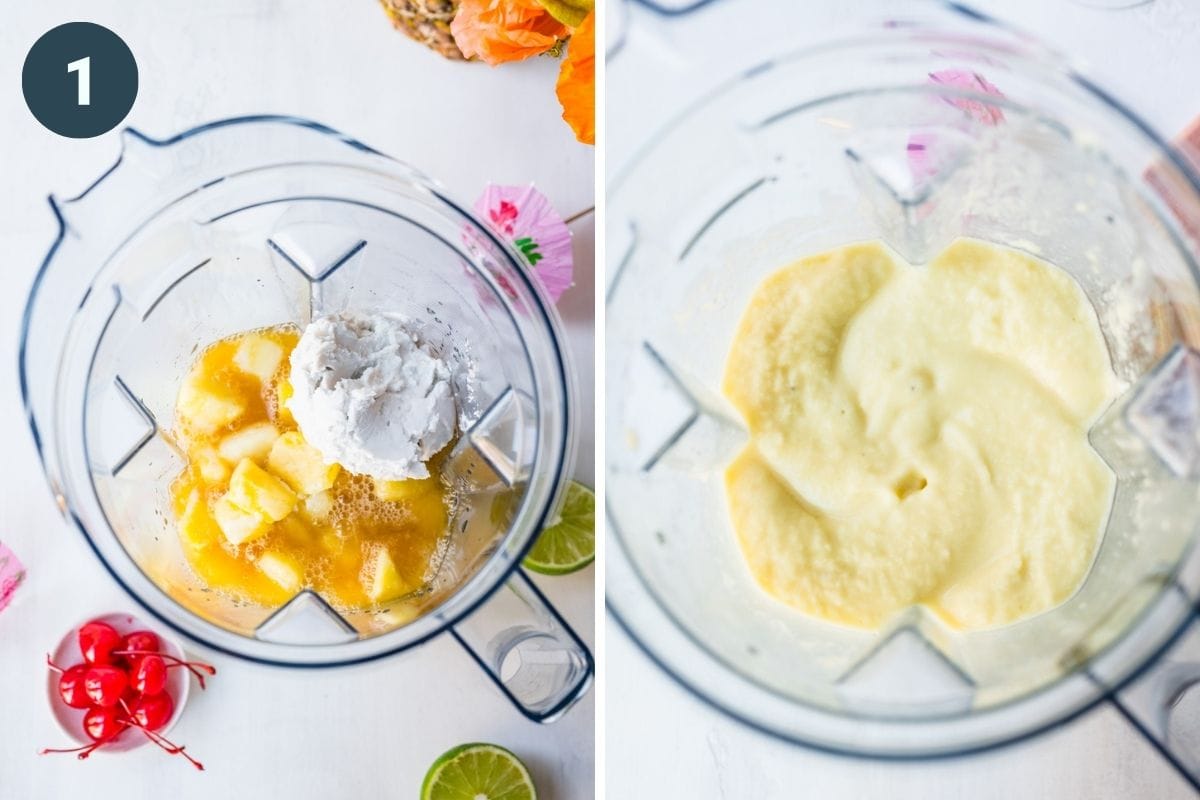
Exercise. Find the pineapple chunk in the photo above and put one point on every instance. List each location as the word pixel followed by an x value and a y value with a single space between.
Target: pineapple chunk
pixel 395 491
pixel 332 543
pixel 301 464
pixel 258 356
pixel 253 489
pixel 196 527
pixel 380 579
pixel 204 409
pixel 319 506
pixel 253 441
pixel 212 469
pixel 282 570
pixel 238 525
pixel 283 393
pixel 296 531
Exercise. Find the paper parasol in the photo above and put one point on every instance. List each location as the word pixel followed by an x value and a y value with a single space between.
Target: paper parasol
pixel 12 572
pixel 924 158
pixel 523 216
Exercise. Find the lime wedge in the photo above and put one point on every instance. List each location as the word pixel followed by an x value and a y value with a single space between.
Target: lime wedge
pixel 478 772
pixel 570 543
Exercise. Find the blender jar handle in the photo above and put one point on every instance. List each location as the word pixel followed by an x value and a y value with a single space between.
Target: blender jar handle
pixel 528 650
pixel 1163 703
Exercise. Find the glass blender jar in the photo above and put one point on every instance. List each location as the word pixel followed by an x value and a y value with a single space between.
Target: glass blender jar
pixel 260 221
pixel 813 150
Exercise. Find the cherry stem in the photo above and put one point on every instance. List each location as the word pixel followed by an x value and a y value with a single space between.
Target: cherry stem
pixel 194 667
pixel 84 750
pixel 160 740
pixel 131 722
pixel 168 746
pixel 54 666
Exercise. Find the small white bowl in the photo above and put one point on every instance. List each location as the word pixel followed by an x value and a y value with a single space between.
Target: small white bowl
pixel 67 654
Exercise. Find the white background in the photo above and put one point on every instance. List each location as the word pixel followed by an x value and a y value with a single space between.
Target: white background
pixel 660 742
pixel 365 732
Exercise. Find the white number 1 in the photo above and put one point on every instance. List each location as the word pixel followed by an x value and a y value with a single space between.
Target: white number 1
pixel 84 67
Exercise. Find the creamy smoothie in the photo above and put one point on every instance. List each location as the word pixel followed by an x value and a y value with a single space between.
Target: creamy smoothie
pixel 919 435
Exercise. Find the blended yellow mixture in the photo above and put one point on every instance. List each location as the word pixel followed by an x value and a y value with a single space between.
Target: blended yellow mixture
pixel 919 435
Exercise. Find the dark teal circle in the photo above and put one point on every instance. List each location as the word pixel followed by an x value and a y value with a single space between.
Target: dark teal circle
pixel 52 93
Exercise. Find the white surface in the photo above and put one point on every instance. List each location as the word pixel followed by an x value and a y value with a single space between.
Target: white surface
pixel 661 742
pixel 363 732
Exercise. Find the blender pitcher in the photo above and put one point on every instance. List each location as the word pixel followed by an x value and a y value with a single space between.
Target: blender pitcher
pixel 260 221
pixel 814 150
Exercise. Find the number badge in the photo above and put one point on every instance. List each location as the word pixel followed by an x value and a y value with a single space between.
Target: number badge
pixel 80 80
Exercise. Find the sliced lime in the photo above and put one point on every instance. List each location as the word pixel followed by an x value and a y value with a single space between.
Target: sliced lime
pixel 570 543
pixel 478 772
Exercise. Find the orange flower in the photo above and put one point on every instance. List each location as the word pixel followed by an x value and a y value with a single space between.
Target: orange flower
pixel 577 81
pixel 504 30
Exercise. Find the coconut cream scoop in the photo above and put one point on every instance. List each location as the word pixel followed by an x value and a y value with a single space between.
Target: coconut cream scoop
pixel 373 393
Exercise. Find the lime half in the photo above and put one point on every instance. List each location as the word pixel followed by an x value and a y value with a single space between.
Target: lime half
pixel 570 543
pixel 478 772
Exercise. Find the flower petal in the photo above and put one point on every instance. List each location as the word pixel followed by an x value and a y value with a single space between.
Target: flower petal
pixel 577 81
pixel 497 31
